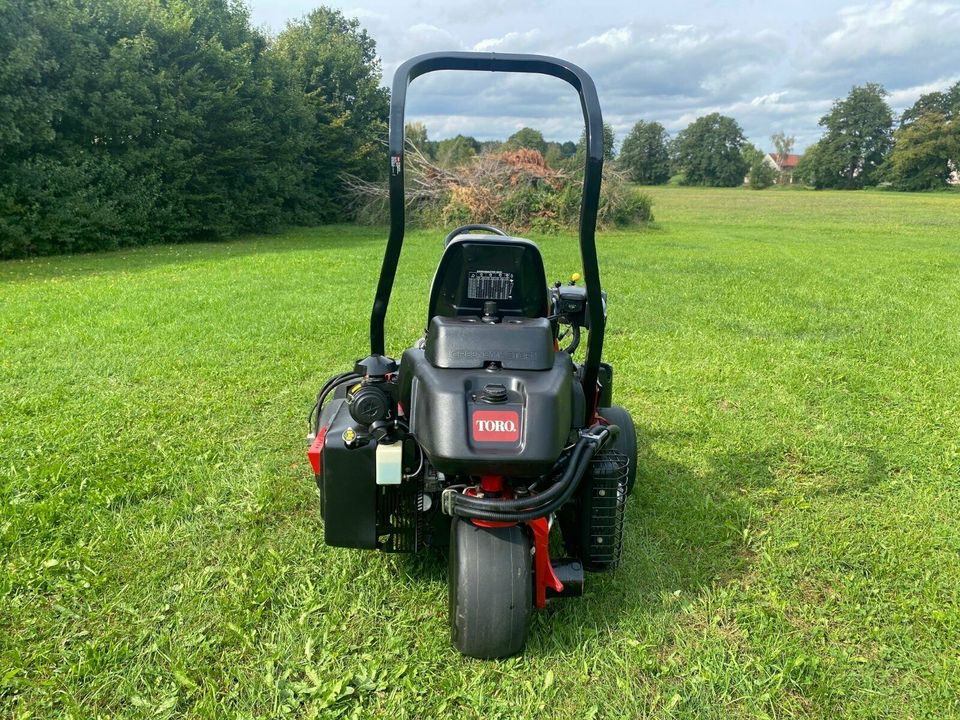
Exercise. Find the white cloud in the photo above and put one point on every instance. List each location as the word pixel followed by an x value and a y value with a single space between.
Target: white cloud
pixel 772 66
pixel 367 15
pixel 899 24
pixel 768 99
pixel 511 42
pixel 899 43
pixel 426 30
pixel 613 38
pixel 904 97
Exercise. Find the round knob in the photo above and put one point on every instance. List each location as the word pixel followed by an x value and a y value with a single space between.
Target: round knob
pixel 493 393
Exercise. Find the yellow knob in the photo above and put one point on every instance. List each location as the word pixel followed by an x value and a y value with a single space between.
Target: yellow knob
pixel 575 277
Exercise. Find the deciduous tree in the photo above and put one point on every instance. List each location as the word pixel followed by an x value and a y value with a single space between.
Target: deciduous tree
pixel 645 154
pixel 761 173
pixel 335 63
pixel 415 134
pixel 526 138
pixel 708 152
pixel 457 151
pixel 946 103
pixel 783 144
pixel 609 144
pixel 925 153
pixel 857 140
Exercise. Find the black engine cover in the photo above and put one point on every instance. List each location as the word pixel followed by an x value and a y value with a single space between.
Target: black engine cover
pixel 488 421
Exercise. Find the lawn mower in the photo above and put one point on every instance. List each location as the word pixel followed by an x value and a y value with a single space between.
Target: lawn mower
pixel 487 434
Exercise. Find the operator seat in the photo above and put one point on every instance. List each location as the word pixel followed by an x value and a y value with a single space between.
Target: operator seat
pixel 489 306
pixel 475 269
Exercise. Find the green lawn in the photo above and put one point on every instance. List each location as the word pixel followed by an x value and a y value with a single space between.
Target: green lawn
pixel 793 362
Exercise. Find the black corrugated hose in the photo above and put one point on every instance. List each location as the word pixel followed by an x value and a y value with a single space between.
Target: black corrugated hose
pixel 539 505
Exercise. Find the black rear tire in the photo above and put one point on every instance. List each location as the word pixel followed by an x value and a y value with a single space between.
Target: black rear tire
pixel 490 589
pixel 626 442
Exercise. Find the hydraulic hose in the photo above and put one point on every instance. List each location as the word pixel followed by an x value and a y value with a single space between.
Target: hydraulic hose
pixel 594 434
pixel 542 504
pixel 313 419
pixel 531 514
pixel 531 501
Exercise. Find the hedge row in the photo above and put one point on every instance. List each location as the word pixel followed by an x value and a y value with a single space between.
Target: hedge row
pixel 126 122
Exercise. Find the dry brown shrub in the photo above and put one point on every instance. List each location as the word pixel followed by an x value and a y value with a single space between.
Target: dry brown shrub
pixel 515 189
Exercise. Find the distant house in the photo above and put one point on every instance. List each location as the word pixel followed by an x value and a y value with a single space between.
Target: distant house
pixel 784 169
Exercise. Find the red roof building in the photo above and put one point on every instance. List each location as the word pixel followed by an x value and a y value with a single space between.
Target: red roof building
pixel 789 162
pixel 784 171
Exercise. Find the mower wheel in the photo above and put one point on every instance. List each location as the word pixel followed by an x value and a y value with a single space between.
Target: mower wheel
pixel 490 589
pixel 626 442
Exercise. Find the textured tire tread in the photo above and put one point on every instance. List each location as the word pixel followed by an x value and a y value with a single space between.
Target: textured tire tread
pixel 490 589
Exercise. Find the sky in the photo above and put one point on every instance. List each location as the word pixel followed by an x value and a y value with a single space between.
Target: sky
pixel 774 66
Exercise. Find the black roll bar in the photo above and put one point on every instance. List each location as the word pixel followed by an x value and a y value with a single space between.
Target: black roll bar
pixel 590 201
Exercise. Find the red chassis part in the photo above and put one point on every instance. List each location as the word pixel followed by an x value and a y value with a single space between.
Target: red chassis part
pixel 316 449
pixel 543 575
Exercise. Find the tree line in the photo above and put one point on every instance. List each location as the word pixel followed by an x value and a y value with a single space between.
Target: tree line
pixel 860 147
pixel 125 122
pixel 459 150
pixel 711 151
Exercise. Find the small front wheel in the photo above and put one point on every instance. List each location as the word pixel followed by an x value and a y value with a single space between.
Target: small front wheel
pixel 490 589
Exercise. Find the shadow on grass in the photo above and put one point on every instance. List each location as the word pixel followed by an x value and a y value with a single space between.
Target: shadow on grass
pixel 687 530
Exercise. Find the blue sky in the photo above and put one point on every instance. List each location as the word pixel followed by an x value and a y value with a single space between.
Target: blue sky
pixel 773 66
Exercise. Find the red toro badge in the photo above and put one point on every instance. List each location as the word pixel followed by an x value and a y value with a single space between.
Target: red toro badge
pixel 502 426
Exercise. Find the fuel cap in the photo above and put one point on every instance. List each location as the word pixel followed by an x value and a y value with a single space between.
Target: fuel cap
pixel 493 393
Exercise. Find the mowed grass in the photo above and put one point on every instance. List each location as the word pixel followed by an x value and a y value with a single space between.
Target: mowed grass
pixel 792 360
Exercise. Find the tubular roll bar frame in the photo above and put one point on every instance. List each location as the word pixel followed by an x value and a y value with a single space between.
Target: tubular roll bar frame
pixel 590 201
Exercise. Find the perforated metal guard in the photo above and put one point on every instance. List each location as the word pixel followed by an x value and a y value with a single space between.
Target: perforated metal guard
pixel 604 507
pixel 401 521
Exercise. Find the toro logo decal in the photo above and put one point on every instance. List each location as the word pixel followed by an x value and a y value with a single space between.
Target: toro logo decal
pixel 501 426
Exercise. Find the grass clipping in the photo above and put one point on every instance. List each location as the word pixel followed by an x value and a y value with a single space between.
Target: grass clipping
pixel 516 190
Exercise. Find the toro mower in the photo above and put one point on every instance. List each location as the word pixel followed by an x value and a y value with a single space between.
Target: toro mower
pixel 487 434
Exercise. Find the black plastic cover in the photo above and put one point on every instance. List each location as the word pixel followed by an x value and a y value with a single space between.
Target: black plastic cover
pixel 443 404
pixel 606 385
pixel 348 484
pixel 467 342
pixel 573 299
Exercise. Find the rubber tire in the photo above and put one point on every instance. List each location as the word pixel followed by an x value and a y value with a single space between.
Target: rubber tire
pixel 490 586
pixel 626 442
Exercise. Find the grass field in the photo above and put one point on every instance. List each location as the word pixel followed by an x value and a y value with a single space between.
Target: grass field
pixel 792 359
